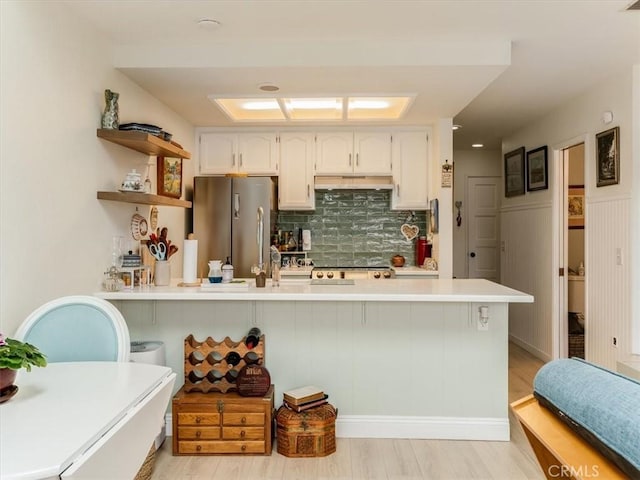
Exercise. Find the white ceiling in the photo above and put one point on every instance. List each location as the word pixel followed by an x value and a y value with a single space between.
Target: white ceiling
pixel 492 65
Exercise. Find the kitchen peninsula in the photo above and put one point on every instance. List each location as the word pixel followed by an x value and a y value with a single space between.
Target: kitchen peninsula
pixel 399 358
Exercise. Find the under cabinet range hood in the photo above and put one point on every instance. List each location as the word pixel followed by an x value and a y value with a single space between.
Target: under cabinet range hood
pixel 353 183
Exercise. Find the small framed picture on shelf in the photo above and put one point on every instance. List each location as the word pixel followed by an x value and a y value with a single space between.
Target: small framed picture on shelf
pixel 170 177
pixel 575 206
pixel 537 177
pixel 608 157
pixel 514 173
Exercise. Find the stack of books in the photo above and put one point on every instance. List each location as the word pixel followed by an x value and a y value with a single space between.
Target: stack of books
pixel 304 398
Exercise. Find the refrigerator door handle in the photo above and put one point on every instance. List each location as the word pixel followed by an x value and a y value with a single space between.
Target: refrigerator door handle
pixel 236 205
pixel 260 237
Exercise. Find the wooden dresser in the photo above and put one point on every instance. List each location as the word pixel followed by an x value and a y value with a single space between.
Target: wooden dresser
pixel 222 423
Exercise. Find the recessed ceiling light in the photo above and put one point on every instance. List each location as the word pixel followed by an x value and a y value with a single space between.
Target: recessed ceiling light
pixel 208 23
pixel 268 87
pixel 456 127
pixel 477 145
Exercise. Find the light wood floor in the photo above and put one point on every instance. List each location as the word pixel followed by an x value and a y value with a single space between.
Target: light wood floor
pixel 363 459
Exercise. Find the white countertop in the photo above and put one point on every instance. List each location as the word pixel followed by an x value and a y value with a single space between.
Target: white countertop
pixel 412 290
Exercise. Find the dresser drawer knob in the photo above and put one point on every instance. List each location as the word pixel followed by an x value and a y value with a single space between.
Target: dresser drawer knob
pixel 198 433
pixel 198 419
pixel 198 448
pixel 243 433
pixel 244 420
pixel 243 448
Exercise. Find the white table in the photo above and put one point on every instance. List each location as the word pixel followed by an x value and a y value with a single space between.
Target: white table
pixel 82 420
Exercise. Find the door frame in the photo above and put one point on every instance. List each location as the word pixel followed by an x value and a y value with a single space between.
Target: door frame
pixel 560 222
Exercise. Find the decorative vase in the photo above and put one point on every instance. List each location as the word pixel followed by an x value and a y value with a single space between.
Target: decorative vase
pixel 110 115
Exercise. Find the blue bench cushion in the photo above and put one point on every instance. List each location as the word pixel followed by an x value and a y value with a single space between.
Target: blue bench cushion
pixel 600 405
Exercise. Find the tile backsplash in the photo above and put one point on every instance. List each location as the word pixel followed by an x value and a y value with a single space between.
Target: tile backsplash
pixel 354 228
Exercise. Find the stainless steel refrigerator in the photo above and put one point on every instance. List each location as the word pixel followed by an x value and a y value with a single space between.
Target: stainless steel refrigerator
pixel 226 221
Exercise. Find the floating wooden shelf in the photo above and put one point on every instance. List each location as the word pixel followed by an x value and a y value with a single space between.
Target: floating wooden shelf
pixel 143 143
pixel 144 199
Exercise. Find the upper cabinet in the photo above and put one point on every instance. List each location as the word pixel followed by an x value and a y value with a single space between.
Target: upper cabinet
pixel 295 183
pixel 253 153
pixel 410 171
pixel 353 153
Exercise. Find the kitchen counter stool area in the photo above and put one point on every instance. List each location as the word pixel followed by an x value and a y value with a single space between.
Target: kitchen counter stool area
pixel 413 366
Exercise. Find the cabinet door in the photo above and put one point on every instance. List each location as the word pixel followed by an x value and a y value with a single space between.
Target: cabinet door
pixel 372 153
pixel 258 153
pixel 217 153
pixel 334 153
pixel 295 182
pixel 410 171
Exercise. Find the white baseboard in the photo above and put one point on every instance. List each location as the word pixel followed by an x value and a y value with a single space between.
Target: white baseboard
pixel 545 357
pixel 391 426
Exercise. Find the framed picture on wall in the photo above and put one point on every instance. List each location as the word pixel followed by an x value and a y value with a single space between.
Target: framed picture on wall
pixel 608 157
pixel 170 177
pixel 514 173
pixel 575 207
pixel 537 177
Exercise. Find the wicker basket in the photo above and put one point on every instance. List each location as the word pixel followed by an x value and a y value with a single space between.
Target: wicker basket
pixel 147 466
pixel 311 433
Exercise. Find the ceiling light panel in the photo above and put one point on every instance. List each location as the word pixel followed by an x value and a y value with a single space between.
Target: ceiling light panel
pixel 377 108
pixel 313 108
pixel 250 109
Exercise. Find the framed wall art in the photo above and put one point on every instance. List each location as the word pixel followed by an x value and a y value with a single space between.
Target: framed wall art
pixel 514 173
pixel 575 207
pixel 170 177
pixel 608 157
pixel 537 176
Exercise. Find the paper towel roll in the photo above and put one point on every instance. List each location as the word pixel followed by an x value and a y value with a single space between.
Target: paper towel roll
pixel 190 261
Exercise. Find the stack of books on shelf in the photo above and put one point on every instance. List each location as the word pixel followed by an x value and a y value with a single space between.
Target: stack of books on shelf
pixel 304 398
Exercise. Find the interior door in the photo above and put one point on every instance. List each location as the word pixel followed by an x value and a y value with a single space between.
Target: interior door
pixel 483 196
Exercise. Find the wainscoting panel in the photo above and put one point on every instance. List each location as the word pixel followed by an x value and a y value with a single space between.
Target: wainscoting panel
pixel 608 309
pixel 526 265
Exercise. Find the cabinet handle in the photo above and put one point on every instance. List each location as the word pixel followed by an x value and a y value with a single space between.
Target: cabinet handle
pixel 240 159
pixel 308 190
pixel 243 420
pixel 233 159
pixel 243 448
pixel 242 434
pixel 398 189
pixel 349 159
pixel 198 419
pixel 199 448
pixel 198 433
pixel 357 159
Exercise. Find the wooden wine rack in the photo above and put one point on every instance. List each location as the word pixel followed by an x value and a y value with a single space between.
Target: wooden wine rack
pixel 205 364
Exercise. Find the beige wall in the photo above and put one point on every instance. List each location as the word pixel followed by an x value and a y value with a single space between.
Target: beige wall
pixel 55 234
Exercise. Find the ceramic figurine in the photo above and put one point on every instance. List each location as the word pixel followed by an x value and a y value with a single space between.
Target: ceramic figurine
pixel 110 115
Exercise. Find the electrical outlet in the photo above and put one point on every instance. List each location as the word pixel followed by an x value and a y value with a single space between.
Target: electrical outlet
pixel 614 342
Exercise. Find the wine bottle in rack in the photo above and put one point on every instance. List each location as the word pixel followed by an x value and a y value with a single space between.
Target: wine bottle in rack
pixel 233 358
pixel 231 376
pixel 253 337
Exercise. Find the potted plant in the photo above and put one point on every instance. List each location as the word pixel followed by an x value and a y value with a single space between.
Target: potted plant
pixel 15 355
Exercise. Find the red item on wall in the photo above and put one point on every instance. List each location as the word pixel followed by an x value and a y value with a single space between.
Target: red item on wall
pixel 423 250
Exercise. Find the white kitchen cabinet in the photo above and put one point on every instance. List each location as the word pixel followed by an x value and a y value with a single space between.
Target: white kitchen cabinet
pixel 295 182
pixel 410 171
pixel 353 153
pixel 253 153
